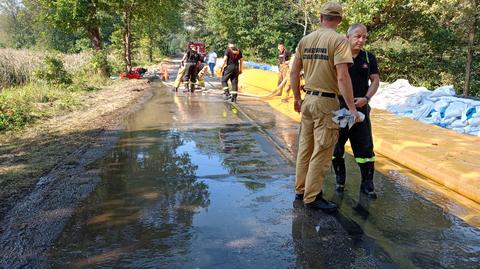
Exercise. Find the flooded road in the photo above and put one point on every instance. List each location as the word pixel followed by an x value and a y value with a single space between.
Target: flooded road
pixel 194 184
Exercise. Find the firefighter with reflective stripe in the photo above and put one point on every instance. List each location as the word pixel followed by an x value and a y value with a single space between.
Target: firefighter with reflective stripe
pixel 231 68
pixel 363 70
pixel 193 60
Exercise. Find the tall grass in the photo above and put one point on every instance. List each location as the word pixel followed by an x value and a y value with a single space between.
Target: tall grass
pixel 17 67
pixel 26 96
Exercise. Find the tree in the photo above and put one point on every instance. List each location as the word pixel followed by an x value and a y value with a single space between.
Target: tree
pixel 472 13
pixel 72 15
pixel 307 11
pixel 257 26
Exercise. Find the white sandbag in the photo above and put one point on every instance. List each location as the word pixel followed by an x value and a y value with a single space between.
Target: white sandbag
pixel 474 122
pixel 423 111
pixel 458 124
pixel 468 113
pixel 472 129
pixel 441 105
pixel 436 117
pixel 455 110
pixel 458 130
pixel 443 91
pixel 448 121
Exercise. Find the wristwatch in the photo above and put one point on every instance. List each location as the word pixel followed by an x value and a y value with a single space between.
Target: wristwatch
pixel 366 97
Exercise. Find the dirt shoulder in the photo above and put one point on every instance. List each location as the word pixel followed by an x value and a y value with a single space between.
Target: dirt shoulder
pixel 30 154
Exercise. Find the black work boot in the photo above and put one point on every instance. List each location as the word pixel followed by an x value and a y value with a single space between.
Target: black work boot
pixel 299 196
pixel 324 205
pixel 226 92
pixel 234 98
pixel 367 187
pixel 340 173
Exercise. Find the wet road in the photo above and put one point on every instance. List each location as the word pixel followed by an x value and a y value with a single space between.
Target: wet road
pixel 192 183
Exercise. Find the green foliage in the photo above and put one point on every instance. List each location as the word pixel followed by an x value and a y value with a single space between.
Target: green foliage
pixel 99 61
pixel 257 26
pixel 13 115
pixel 53 72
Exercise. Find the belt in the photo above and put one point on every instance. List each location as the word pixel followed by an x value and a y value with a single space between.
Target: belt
pixel 318 93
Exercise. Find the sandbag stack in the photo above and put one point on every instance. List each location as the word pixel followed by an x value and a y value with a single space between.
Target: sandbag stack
pixel 440 107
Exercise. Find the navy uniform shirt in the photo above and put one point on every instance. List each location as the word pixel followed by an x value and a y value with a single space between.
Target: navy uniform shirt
pixel 360 72
pixel 233 56
pixel 192 56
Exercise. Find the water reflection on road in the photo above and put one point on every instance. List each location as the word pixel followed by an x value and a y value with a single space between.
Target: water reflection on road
pixel 193 185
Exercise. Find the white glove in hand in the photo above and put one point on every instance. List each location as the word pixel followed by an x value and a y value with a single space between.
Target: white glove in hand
pixel 343 117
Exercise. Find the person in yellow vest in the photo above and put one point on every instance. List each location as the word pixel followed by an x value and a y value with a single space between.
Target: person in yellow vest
pixel 324 55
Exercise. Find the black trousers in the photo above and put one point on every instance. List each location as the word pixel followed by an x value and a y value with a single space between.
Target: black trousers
pixel 360 136
pixel 231 73
pixel 191 72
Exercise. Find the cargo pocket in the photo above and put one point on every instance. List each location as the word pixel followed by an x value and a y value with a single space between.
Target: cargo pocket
pixel 326 131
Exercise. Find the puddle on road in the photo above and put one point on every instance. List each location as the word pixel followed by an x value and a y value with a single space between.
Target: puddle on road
pixel 196 196
pixel 182 199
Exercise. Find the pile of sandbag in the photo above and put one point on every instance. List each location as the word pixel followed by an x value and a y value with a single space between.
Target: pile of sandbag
pixel 439 107
pixel 267 67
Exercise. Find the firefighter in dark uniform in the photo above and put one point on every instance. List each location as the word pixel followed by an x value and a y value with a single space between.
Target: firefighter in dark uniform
pixel 192 60
pixel 363 70
pixel 231 68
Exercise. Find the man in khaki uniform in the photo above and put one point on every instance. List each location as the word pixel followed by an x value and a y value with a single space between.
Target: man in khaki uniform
pixel 324 56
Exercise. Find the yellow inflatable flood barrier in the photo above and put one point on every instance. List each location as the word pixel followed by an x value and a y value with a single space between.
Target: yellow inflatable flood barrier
pixel 449 158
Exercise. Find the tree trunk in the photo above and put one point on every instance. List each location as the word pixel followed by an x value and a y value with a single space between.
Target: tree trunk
pixel 305 16
pixel 127 41
pixel 96 41
pixel 95 38
pixel 150 48
pixel 471 44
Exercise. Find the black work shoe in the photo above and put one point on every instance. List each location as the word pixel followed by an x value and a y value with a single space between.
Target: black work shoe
pixel 339 187
pixel 323 205
pixel 370 194
pixel 299 196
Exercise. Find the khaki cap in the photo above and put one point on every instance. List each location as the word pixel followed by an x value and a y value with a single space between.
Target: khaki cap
pixel 332 9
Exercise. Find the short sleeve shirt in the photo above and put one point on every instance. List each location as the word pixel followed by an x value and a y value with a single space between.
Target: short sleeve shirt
pixel 319 52
pixel 212 57
pixel 360 72
pixel 233 56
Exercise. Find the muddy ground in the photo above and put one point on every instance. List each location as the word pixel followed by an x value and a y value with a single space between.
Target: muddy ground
pixel 33 152
pixel 44 165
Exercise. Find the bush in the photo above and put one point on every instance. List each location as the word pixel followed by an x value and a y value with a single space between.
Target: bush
pixel 53 72
pixel 14 115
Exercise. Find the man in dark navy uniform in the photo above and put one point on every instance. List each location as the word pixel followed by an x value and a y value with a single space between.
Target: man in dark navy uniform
pixel 231 68
pixel 363 70
pixel 192 60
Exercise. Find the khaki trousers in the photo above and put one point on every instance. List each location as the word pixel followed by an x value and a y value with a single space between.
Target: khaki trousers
pixel 283 72
pixel 317 139
pixel 180 74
